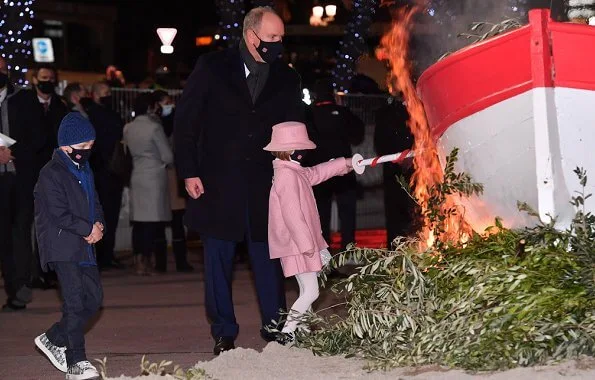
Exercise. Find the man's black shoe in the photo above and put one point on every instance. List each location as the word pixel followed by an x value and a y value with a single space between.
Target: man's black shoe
pixel 42 283
pixel 111 264
pixel 185 268
pixel 268 336
pixel 223 343
pixel 11 306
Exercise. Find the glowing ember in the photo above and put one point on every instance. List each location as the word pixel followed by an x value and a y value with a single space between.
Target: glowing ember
pixel 394 48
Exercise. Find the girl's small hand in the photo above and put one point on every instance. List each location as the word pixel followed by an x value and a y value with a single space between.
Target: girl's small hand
pixel 349 163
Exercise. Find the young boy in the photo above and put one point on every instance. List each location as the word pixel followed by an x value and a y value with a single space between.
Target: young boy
pixel 68 221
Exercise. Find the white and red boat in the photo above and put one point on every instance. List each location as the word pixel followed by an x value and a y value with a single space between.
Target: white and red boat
pixel 521 109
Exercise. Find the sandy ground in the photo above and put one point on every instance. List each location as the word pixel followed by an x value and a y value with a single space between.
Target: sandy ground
pixel 278 362
pixel 164 318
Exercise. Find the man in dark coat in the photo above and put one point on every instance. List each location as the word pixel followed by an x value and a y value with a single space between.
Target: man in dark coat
pixel 223 121
pixel 392 135
pixel 334 129
pixel 8 192
pixel 34 117
pixel 108 126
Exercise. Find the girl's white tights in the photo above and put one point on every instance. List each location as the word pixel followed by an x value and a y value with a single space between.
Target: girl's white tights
pixel 308 283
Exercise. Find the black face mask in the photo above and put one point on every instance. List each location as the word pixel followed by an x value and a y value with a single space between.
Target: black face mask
pixel 46 86
pixel 86 102
pixel 3 79
pixel 269 51
pixel 299 155
pixel 106 101
pixel 80 156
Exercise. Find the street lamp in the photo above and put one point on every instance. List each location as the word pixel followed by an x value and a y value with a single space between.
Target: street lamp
pixel 318 11
pixel 167 35
pixel 331 10
pixel 317 18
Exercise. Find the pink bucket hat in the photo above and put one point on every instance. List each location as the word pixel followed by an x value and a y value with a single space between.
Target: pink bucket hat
pixel 288 136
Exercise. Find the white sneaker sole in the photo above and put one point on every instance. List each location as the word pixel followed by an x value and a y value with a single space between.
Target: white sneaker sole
pixel 49 355
pixel 84 376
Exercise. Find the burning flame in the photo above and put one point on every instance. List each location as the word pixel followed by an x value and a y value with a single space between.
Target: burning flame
pixel 394 48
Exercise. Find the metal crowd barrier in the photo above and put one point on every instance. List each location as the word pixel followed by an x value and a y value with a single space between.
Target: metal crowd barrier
pixel 123 99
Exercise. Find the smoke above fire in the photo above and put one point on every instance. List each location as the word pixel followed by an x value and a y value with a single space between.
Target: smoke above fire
pixel 444 20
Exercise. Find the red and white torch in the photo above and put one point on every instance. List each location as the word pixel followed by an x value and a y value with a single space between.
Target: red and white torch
pixel 359 163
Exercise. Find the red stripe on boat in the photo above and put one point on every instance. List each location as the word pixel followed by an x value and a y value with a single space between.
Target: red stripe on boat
pixel 510 64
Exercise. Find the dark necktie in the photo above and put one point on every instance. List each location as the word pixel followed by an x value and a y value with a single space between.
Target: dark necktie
pixel 46 107
pixel 252 81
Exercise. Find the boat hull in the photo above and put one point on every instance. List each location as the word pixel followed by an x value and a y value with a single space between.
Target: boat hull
pixel 521 110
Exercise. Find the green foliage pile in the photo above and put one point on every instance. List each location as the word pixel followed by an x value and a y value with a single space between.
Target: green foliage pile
pixel 513 298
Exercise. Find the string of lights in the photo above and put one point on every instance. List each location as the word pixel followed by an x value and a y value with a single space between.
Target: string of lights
pixel 354 43
pixel 16 18
pixel 231 14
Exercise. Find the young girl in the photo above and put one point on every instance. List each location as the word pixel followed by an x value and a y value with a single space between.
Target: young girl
pixel 294 230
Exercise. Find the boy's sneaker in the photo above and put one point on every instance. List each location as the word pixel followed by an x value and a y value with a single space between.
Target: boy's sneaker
pixel 57 355
pixel 82 370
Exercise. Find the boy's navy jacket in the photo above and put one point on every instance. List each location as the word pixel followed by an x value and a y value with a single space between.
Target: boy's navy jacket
pixel 62 213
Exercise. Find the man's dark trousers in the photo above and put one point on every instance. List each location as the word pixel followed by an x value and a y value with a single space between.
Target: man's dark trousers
pixel 268 278
pixel 82 293
pixel 16 220
pixel 109 190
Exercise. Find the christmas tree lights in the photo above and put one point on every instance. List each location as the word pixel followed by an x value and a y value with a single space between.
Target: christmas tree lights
pixel 354 42
pixel 16 17
pixel 231 14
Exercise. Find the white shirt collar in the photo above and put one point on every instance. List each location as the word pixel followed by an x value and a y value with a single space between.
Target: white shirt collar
pixel 246 71
pixel 3 94
pixel 42 100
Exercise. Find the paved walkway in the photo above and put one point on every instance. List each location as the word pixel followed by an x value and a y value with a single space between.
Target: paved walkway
pixel 162 316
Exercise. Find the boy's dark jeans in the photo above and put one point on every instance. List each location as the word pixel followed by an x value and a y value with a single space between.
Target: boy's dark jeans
pixel 82 294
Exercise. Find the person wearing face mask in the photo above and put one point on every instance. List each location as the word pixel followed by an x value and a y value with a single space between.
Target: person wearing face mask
pixel 335 129
pixel 75 95
pixel 68 223
pixel 167 108
pixel 150 208
pixel 177 198
pixel 108 126
pixel 8 193
pixel 34 117
pixel 225 116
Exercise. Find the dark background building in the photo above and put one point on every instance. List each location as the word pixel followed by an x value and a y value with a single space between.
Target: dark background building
pixel 89 35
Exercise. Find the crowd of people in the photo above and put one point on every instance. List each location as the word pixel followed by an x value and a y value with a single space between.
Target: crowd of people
pixel 204 164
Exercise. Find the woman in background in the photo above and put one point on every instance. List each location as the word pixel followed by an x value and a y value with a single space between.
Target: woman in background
pixel 149 198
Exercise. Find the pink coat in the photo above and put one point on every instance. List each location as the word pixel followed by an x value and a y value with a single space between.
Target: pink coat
pixel 294 223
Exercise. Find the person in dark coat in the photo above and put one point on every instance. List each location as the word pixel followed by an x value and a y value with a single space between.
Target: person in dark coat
pixel 392 135
pixel 34 116
pixel 177 194
pixel 108 126
pixel 68 222
pixel 334 129
pixel 8 196
pixel 223 121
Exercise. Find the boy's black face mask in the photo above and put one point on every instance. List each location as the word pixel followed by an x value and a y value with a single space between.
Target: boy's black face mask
pixel 80 156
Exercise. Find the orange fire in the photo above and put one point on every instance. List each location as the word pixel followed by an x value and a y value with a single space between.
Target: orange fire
pixel 394 48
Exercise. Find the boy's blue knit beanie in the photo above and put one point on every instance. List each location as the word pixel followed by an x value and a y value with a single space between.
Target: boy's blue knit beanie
pixel 75 129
